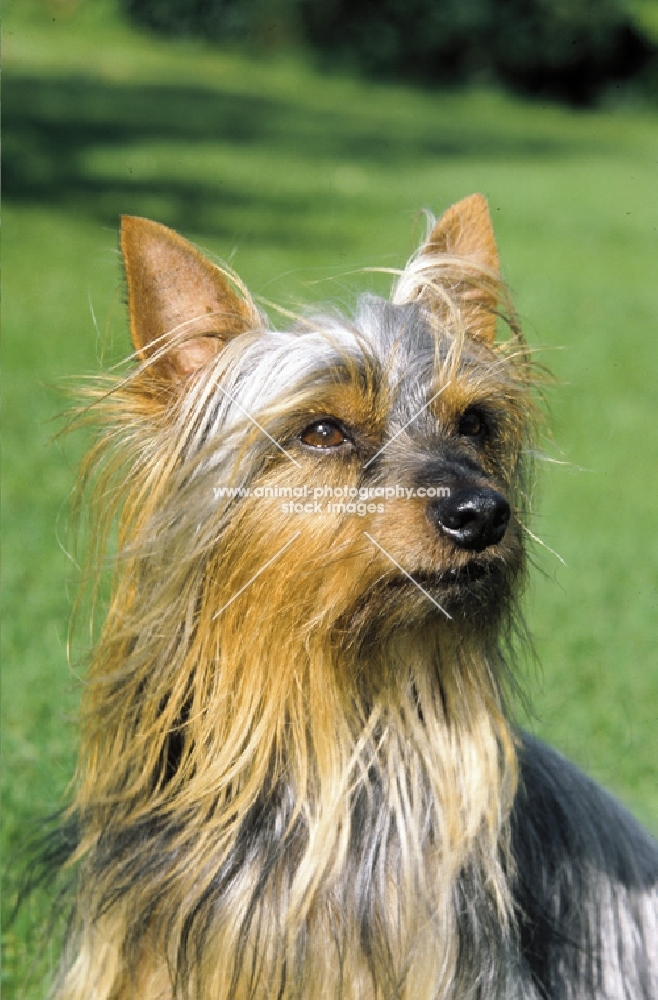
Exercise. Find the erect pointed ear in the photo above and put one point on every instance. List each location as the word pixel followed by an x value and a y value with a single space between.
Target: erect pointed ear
pixel 465 230
pixel 460 260
pixel 182 307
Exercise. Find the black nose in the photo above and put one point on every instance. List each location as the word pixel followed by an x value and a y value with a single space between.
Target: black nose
pixel 473 518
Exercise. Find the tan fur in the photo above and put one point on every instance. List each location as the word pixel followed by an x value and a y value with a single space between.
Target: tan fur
pixel 269 687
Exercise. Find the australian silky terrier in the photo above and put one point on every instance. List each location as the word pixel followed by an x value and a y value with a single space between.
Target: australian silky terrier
pixel 298 776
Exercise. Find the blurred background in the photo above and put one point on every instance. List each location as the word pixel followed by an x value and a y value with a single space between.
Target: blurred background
pixel 298 140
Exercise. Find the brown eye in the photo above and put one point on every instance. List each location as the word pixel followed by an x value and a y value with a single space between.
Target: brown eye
pixel 323 434
pixel 472 423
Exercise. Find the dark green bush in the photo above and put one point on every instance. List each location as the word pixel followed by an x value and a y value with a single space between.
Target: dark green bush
pixel 567 48
pixel 215 19
pixel 564 48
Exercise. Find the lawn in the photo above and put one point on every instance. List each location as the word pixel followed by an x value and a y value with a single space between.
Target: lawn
pixel 300 180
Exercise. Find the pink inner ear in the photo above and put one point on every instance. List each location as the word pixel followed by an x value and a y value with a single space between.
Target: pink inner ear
pixel 176 296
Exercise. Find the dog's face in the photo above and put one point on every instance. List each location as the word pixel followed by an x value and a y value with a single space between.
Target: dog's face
pixel 369 468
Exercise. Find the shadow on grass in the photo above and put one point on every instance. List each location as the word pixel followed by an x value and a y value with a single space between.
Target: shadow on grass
pixel 52 124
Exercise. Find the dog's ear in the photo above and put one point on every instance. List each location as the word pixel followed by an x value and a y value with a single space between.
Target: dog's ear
pixel 466 230
pixel 459 262
pixel 182 307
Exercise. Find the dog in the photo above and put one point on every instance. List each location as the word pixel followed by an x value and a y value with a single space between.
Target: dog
pixel 299 776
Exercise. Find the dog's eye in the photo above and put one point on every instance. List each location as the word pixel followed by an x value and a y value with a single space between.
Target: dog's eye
pixel 324 434
pixel 472 423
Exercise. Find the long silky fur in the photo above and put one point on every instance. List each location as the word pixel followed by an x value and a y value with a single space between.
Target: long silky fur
pixel 288 793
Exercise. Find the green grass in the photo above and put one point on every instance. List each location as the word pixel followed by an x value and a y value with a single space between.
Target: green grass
pixel 300 180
